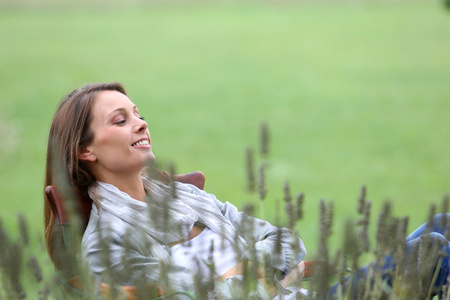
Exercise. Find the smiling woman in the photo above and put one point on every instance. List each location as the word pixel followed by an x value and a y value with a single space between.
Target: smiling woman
pixel 100 143
pixel 74 152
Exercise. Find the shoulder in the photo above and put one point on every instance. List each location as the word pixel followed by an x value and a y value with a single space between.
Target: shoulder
pixel 186 187
pixel 100 225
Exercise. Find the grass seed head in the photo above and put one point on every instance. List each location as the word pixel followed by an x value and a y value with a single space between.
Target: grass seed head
pixel 361 200
pixel 264 138
pixel 23 227
pixel 299 206
pixel 262 191
pixel 250 170
pixel 36 268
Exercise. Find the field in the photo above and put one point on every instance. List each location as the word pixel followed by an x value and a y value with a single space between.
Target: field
pixel 355 93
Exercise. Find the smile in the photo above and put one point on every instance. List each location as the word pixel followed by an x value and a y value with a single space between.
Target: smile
pixel 141 143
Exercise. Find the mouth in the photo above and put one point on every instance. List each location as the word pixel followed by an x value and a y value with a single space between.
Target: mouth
pixel 141 142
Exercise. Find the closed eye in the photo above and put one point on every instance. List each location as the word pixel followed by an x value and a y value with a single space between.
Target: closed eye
pixel 121 122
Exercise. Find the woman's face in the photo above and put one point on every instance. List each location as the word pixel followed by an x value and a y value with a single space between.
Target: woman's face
pixel 121 141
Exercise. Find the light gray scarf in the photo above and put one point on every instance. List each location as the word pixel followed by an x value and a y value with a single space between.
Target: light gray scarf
pixel 168 215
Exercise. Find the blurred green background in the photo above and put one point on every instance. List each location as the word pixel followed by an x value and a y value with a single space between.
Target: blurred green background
pixel 355 93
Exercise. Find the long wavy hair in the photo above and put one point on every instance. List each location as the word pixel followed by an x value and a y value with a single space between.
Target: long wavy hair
pixel 69 133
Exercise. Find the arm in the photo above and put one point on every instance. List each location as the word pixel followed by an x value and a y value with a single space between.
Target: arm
pixel 295 275
pixel 264 237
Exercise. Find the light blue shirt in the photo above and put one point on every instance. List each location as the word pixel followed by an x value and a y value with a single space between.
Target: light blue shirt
pixel 136 250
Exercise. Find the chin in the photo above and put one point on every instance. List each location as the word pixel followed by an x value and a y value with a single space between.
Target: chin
pixel 150 160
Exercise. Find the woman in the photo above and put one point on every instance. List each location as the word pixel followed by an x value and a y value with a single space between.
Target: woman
pixel 168 233
pixel 99 141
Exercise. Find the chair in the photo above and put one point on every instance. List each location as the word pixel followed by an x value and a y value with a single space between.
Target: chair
pixel 62 219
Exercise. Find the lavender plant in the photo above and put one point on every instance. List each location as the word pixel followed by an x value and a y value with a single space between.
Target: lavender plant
pixel 23 275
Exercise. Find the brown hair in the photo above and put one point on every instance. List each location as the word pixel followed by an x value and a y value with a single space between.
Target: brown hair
pixel 69 133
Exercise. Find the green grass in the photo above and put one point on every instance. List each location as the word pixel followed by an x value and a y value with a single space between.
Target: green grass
pixel 354 92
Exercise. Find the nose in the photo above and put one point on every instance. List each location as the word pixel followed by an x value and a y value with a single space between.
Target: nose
pixel 141 125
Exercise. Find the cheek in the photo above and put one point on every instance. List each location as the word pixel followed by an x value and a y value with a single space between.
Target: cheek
pixel 110 141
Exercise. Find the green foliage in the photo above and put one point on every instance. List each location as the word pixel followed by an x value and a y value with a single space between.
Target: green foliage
pixel 23 275
pixel 446 4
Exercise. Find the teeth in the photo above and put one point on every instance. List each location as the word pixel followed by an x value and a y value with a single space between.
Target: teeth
pixel 143 142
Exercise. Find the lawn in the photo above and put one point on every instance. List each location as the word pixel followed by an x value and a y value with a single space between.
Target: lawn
pixel 355 93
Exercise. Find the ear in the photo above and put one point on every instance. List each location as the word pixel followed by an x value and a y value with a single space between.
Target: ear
pixel 87 155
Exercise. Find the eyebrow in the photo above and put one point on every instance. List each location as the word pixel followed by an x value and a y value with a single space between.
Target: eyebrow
pixel 121 109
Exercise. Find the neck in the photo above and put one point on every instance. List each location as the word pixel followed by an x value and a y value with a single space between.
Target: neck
pixel 130 184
